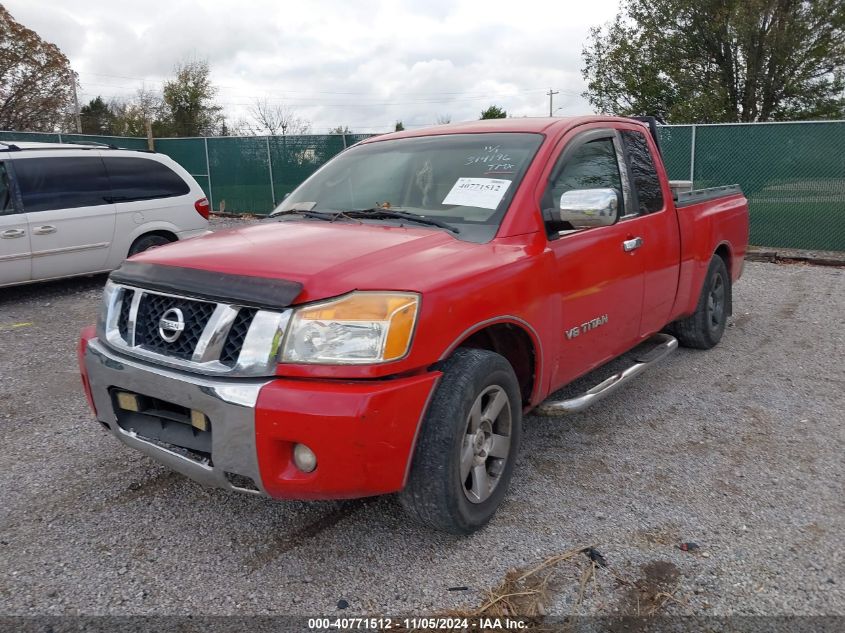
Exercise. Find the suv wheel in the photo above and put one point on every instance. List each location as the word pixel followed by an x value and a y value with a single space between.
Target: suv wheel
pixel 146 242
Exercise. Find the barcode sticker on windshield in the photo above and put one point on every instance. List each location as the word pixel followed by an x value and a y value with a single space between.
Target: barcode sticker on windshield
pixel 485 193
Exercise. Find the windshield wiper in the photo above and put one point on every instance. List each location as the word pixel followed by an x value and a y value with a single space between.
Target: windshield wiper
pixel 371 213
pixel 320 215
pixel 381 212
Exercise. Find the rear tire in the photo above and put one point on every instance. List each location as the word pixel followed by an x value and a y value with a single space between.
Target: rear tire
pixel 146 242
pixel 467 445
pixel 704 328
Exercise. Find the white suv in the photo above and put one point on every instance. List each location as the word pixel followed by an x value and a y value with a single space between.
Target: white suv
pixel 79 209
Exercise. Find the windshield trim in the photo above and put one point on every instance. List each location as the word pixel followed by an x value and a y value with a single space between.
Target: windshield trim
pixel 381 138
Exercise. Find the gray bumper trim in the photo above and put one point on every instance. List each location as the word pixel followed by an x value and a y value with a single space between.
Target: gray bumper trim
pixel 229 405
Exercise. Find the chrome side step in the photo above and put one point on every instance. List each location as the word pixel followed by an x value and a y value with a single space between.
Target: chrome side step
pixel 664 345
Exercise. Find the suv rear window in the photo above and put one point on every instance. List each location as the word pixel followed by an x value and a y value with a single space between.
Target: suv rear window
pixel 143 179
pixel 6 205
pixel 62 182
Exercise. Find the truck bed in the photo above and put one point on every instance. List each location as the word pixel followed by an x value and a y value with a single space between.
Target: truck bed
pixel 695 196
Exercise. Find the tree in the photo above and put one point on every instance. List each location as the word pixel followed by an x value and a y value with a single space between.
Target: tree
pixel 340 129
pixel 36 81
pixel 443 119
pixel 273 119
pixel 400 127
pixel 96 117
pixel 130 116
pixel 189 101
pixel 494 112
pixel 720 60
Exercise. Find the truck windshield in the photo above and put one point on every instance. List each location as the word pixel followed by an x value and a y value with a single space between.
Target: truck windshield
pixel 463 180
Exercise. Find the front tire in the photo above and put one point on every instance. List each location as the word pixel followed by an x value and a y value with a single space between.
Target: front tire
pixel 704 328
pixel 467 445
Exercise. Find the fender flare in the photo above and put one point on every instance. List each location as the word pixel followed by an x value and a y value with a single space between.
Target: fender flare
pixel 506 319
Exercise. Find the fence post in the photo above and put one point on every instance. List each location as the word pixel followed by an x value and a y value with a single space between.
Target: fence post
pixel 208 174
pixel 692 160
pixel 60 138
pixel 344 139
pixel 270 166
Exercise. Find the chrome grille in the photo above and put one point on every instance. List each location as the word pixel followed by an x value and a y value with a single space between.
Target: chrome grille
pixel 150 311
pixel 123 318
pixel 217 338
pixel 237 335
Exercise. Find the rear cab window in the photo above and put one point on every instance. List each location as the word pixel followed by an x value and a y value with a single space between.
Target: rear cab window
pixel 646 184
pixel 70 182
pixel 142 179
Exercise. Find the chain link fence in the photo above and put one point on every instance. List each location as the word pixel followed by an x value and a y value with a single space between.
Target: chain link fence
pixel 792 173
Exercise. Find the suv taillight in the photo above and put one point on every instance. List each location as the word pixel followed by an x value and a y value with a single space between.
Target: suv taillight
pixel 202 207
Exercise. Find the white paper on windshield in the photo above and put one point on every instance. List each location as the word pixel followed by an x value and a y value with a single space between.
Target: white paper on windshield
pixel 485 193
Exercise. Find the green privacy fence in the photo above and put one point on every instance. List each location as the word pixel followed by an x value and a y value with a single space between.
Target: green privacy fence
pixel 128 142
pixel 792 173
pixel 253 173
pixel 239 174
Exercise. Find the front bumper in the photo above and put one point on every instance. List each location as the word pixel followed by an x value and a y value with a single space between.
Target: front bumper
pixel 362 432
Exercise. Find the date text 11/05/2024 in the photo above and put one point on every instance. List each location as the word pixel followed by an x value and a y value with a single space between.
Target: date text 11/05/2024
pixel 417 624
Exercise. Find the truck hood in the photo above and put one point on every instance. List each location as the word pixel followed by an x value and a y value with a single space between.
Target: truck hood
pixel 330 259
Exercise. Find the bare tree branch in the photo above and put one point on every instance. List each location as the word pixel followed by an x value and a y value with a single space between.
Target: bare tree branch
pixel 268 118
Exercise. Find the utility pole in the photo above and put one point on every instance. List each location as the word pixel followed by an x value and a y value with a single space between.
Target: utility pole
pixel 76 107
pixel 552 94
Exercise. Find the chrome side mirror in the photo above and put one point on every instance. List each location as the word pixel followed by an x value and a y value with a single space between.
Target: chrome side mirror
pixel 586 208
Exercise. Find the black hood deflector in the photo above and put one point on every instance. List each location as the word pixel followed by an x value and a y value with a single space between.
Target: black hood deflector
pixel 258 292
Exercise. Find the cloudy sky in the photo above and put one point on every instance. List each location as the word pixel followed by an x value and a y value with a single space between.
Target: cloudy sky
pixel 360 63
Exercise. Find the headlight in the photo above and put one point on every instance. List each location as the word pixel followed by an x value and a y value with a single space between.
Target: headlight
pixel 360 328
pixel 109 295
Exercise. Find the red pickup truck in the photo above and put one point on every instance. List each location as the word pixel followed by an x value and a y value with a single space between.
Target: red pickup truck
pixel 391 323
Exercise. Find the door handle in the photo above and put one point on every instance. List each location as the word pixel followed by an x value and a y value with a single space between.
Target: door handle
pixel 632 244
pixel 12 233
pixel 44 230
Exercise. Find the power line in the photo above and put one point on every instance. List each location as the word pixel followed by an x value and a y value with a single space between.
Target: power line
pixel 303 103
pixel 300 101
pixel 327 92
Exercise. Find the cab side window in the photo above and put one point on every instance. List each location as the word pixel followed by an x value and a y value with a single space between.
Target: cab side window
pixel 6 204
pixel 646 183
pixel 594 165
pixel 62 183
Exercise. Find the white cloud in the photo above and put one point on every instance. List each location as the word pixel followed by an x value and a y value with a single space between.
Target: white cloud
pixel 364 64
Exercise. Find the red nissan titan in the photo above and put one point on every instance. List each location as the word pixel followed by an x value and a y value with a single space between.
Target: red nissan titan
pixel 388 327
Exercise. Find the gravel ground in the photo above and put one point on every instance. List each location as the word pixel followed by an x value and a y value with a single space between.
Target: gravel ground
pixel 739 449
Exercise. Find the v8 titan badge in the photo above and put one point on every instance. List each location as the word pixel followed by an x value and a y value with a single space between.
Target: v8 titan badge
pixel 586 327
